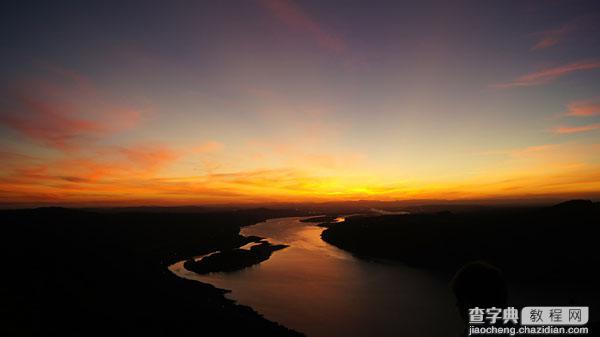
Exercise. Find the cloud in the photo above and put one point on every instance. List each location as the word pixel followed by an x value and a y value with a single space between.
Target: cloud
pixel 549 74
pixel 288 12
pixel 43 114
pixel 584 108
pixel 579 27
pixel 576 129
pixel 534 151
pixel 552 37
pixel 543 156
pixel 209 147
pixel 103 182
pixel 108 165
pixel 149 157
pixel 8 156
pixel 587 108
pixel 129 177
pixel 51 124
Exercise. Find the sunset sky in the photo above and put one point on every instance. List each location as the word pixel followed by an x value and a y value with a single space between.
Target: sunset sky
pixel 192 102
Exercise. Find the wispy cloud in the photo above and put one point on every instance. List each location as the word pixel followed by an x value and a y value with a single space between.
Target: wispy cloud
pixel 535 151
pixel 576 129
pixel 149 156
pixel 552 37
pixel 99 166
pixel 100 181
pixel 581 26
pixel 524 152
pixel 49 123
pixel 550 74
pixel 584 108
pixel 292 15
pixel 210 146
pixel 46 114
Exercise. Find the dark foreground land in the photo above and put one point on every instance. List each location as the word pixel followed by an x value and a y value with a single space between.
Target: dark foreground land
pixel 83 273
pixel 104 272
pixel 557 245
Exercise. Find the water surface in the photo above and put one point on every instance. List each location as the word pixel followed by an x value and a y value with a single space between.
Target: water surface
pixel 320 290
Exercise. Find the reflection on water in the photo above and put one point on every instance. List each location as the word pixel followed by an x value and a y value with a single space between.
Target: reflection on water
pixel 250 245
pixel 320 290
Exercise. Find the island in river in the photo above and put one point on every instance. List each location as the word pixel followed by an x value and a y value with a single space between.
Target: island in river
pixel 233 259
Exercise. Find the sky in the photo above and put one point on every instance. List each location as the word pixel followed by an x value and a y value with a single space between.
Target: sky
pixel 213 102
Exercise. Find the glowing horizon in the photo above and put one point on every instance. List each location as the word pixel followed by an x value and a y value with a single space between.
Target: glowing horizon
pixel 296 101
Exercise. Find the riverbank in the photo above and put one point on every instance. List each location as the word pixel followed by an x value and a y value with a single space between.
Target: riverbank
pixel 81 273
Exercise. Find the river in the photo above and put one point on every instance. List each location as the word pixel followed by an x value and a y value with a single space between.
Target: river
pixel 322 291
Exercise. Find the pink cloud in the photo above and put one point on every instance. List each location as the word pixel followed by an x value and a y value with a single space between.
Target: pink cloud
pixel 576 129
pixel 584 108
pixel 294 17
pixel 50 123
pixel 585 25
pixel 44 113
pixel 549 74
pixel 552 37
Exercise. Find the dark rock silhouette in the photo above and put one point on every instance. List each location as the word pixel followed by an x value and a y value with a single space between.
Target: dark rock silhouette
pixel 478 284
